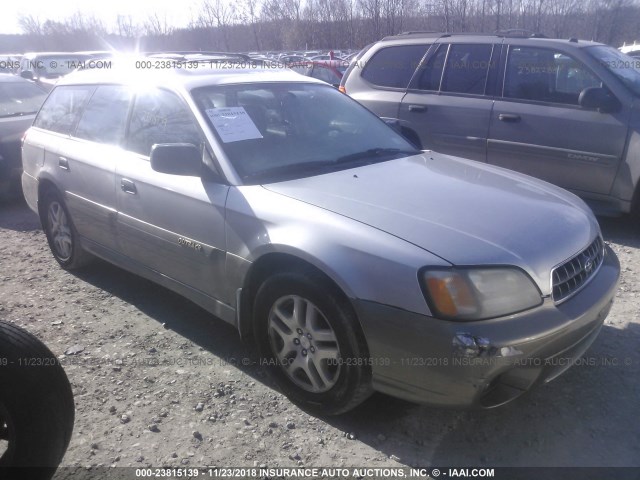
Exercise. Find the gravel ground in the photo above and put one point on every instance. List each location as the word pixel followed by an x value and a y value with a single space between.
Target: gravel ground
pixel 158 381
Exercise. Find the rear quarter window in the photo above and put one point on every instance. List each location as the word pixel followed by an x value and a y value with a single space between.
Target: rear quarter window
pixel 466 69
pixel 545 75
pixel 105 116
pixel 393 66
pixel 62 108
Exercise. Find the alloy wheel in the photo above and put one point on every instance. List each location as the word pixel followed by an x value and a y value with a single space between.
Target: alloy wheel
pixel 305 345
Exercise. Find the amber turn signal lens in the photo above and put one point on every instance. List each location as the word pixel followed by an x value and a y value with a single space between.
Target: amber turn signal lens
pixel 451 295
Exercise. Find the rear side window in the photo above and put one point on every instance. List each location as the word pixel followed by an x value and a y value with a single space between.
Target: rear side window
pixel 160 116
pixel 431 73
pixel 393 66
pixel 324 74
pixel 62 109
pixel 105 117
pixel 466 69
pixel 546 75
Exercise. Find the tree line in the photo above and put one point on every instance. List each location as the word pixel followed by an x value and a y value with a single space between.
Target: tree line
pixel 275 25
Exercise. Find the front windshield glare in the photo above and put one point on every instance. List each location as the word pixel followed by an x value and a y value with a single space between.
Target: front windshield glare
pixel 626 68
pixel 273 132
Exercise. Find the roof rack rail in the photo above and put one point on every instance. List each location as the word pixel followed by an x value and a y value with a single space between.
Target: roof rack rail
pixel 418 33
pixel 518 33
pixel 413 32
pixel 195 55
pixel 510 33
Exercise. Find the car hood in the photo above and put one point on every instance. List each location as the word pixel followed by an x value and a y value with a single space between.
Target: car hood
pixel 466 212
pixel 11 131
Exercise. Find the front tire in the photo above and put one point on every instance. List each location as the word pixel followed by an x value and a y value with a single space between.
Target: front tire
pixel 36 404
pixel 62 236
pixel 311 343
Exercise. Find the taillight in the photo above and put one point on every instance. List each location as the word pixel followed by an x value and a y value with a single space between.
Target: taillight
pixel 342 89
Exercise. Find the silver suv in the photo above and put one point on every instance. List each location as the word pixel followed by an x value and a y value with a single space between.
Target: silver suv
pixel 565 111
pixel 285 208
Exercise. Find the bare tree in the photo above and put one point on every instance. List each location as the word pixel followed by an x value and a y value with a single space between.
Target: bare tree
pixel 30 24
pixel 560 12
pixel 157 25
pixel 310 24
pixel 218 14
pixel 372 12
pixel 126 27
pixel 249 14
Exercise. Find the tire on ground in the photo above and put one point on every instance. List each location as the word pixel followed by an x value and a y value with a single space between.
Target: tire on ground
pixel 53 206
pixel 352 382
pixel 36 403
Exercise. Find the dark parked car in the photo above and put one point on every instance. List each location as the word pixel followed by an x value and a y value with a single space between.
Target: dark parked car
pixel 565 111
pixel 329 71
pixel 19 102
pixel 9 63
pixel 46 68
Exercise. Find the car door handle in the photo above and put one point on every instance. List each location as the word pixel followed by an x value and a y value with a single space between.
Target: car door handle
pixel 417 108
pixel 128 186
pixel 63 163
pixel 509 117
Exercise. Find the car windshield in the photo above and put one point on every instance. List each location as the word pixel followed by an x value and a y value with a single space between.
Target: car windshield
pixel 273 132
pixel 626 68
pixel 20 98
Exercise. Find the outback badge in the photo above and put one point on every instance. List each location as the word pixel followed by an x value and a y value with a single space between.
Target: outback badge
pixel 189 243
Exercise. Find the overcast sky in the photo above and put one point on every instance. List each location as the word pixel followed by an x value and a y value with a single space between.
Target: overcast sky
pixel 178 12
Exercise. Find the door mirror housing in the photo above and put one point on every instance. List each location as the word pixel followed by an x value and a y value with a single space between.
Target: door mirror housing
pixel 27 74
pixel 599 98
pixel 177 159
pixel 393 123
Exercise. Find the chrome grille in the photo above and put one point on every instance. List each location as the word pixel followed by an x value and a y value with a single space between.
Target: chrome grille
pixel 572 275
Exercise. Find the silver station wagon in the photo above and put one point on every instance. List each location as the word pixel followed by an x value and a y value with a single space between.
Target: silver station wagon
pixel 356 262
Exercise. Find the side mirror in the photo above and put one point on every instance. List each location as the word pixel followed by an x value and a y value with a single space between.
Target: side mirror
pixel 599 98
pixel 393 123
pixel 27 74
pixel 177 159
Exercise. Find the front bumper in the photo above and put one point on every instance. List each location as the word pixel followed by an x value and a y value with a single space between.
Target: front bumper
pixel 9 175
pixel 414 357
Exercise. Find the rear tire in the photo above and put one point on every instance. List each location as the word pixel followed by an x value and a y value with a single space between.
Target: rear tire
pixel 36 404
pixel 62 236
pixel 311 343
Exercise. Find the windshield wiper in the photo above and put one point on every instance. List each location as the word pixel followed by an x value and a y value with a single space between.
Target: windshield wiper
pixel 290 169
pixel 376 153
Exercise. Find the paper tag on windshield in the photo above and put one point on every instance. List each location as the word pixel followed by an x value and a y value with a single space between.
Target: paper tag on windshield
pixel 233 124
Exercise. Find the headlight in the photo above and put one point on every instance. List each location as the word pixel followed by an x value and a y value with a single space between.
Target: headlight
pixel 478 293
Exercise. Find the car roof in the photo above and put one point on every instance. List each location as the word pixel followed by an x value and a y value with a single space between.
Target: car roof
pixel 411 37
pixel 11 78
pixel 205 74
pixel 56 54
